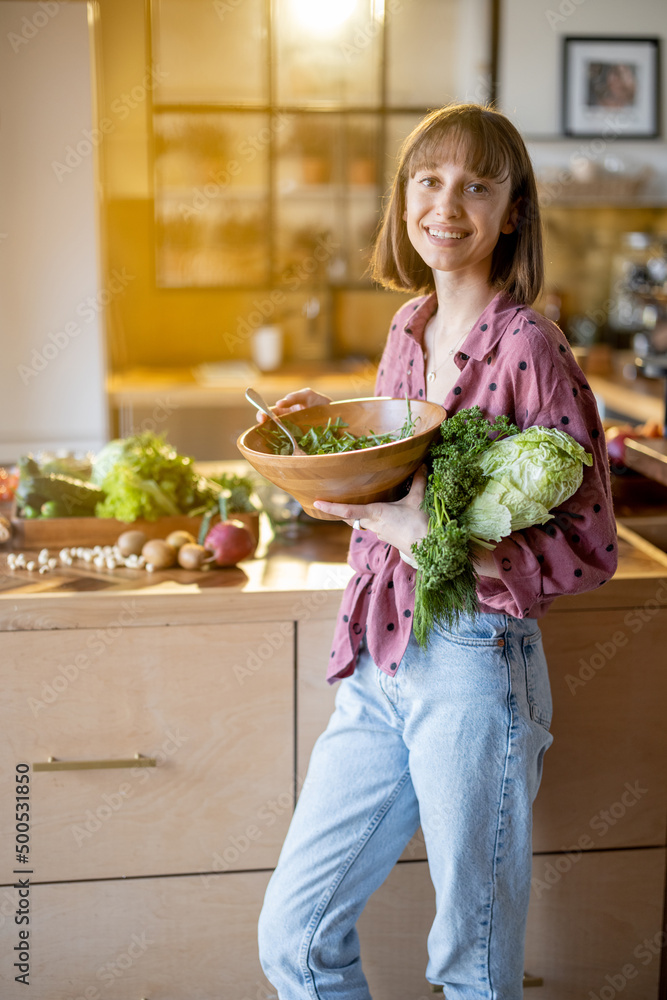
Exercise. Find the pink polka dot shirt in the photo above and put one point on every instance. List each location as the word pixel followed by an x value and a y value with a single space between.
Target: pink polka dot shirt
pixel 517 362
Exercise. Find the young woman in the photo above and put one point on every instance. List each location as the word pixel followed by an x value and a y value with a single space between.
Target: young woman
pixel 451 738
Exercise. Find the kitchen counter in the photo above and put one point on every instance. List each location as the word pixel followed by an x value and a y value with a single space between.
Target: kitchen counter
pixel 284 571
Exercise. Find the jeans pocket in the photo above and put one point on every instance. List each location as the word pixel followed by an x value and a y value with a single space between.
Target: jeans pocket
pixel 481 630
pixel 538 688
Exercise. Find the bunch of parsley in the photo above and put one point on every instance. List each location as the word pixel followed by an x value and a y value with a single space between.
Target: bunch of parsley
pixel 446 576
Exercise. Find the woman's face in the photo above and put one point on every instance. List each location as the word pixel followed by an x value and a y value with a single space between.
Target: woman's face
pixel 455 217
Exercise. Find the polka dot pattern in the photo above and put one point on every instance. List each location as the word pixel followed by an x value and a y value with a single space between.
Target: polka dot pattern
pixel 531 387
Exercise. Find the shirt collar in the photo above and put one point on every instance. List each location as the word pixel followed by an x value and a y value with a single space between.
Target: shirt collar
pixel 485 334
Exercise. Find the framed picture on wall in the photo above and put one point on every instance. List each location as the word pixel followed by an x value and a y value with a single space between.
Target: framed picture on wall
pixel 611 87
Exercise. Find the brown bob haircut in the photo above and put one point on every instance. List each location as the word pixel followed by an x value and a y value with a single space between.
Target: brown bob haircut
pixel 488 145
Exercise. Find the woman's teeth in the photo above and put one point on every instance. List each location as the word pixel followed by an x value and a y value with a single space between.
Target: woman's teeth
pixel 443 234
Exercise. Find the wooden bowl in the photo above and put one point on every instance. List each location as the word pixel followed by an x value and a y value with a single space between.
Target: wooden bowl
pixel 358 477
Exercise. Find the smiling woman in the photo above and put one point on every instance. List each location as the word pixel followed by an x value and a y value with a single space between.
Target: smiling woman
pixel 421 734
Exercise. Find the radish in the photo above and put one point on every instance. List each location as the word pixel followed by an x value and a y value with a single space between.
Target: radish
pixel 230 542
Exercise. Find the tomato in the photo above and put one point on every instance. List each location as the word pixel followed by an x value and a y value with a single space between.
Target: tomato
pixel 8 483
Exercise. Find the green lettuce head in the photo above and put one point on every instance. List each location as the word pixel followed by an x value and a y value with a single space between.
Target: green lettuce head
pixel 529 474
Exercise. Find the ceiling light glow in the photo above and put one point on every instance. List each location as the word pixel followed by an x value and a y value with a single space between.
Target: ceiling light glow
pixel 321 16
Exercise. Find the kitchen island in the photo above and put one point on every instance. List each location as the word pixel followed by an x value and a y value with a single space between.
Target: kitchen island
pixel 167 719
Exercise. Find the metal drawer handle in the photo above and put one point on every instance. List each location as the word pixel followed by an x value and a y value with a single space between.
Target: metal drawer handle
pixel 528 980
pixel 52 764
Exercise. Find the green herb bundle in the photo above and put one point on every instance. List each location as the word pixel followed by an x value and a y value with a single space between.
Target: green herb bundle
pixel 486 479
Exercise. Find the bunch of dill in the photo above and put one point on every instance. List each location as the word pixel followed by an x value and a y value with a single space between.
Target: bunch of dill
pixel 446 576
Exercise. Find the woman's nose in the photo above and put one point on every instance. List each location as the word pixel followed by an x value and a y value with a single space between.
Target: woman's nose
pixel 449 203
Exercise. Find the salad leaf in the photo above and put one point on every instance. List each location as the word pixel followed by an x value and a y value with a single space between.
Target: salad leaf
pixel 145 477
pixel 333 438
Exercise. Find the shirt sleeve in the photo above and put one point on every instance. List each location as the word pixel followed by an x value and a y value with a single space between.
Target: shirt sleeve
pixel 576 550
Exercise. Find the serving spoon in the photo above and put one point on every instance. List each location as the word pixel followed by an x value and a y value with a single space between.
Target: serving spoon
pixel 254 397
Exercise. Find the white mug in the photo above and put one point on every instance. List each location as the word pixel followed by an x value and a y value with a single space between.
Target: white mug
pixel 267 348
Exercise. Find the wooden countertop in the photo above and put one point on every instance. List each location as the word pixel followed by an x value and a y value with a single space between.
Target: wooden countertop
pixel 638 399
pixel 648 456
pixel 299 578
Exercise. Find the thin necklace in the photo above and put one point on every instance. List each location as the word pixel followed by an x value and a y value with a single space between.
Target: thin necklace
pixel 431 375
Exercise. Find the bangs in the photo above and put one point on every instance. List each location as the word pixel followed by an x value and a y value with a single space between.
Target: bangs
pixel 477 145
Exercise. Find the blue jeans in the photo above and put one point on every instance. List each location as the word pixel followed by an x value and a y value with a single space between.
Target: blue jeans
pixel 455 741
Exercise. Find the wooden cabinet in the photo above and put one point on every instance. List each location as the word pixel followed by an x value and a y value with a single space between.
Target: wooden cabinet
pixel 594 925
pixel 191 937
pixel 172 695
pixel 605 779
pixel 148 881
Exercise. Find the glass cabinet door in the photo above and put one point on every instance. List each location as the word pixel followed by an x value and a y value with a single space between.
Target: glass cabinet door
pixel 328 53
pixel 212 198
pixel 276 125
pixel 210 51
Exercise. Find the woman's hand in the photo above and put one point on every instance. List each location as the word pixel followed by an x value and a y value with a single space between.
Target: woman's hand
pixel 298 400
pixel 400 523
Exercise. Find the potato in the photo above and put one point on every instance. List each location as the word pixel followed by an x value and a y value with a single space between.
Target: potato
pixel 179 538
pixel 159 554
pixel 192 556
pixel 131 543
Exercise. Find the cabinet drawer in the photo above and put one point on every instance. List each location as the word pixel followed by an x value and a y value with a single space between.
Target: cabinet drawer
pixel 191 937
pixel 605 781
pixel 315 703
pixel 221 795
pixel 594 925
pixel 602 915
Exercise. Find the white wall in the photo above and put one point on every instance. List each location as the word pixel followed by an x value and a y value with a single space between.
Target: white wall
pixel 51 356
pixel 529 82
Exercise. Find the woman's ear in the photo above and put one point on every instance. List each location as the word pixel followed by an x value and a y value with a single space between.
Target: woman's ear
pixel 512 218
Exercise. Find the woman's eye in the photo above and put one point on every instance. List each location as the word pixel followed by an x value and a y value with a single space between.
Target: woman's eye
pixel 428 181
pixel 477 188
